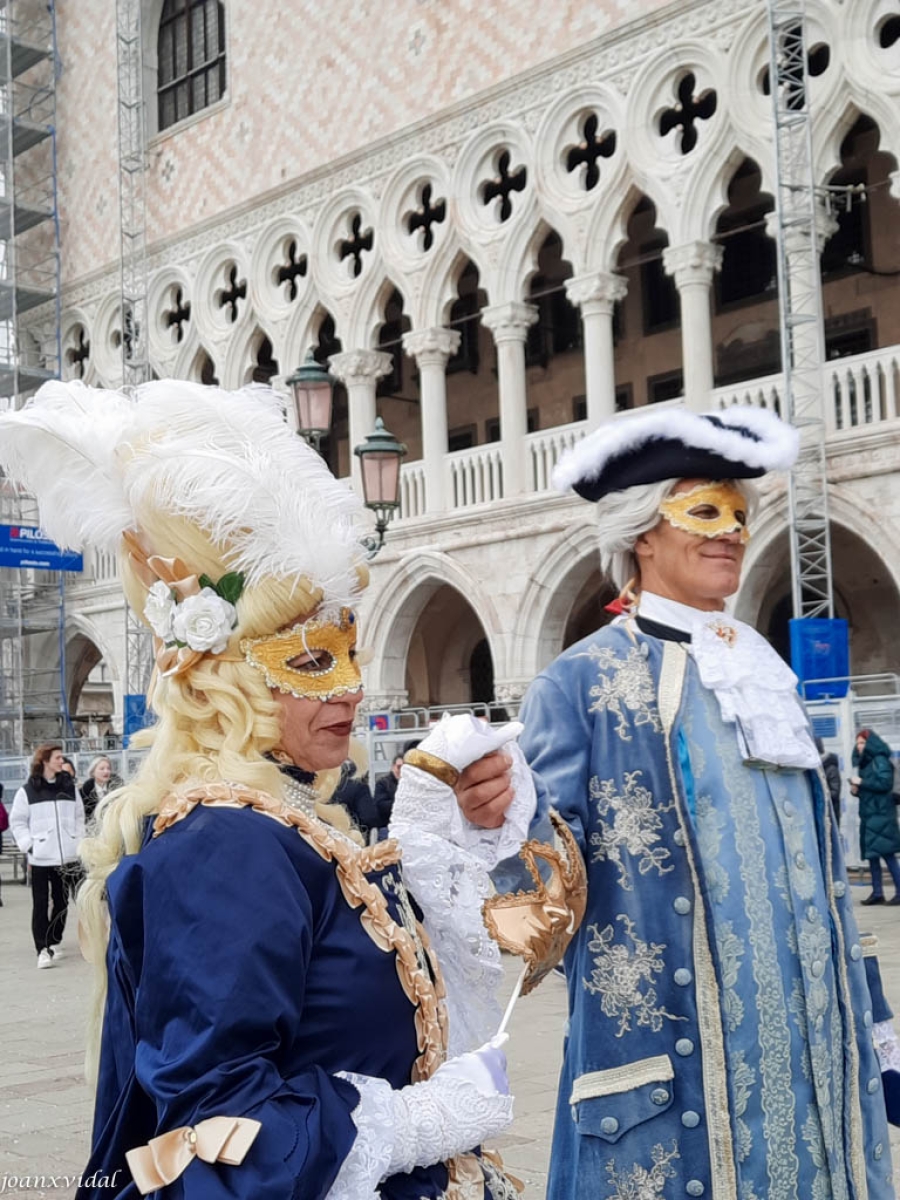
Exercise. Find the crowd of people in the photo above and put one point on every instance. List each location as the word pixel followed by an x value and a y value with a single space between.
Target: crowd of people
pixel 289 1003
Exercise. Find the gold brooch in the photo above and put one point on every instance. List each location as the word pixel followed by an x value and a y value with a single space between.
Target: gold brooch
pixel 726 632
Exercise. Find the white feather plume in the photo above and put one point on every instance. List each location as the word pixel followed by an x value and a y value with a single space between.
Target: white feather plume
pixel 62 448
pixel 228 462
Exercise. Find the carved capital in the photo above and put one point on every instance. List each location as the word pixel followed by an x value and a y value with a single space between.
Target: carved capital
pixel 692 264
pixel 432 347
pixel 509 322
pixel 509 693
pixel 826 225
pixel 596 292
pixel 360 366
pixel 378 702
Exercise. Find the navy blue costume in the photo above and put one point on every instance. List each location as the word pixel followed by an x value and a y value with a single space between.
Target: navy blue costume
pixel 241 980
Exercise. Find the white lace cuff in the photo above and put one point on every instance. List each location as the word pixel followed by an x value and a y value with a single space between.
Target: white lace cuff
pixel 886 1045
pixel 369 1159
pixel 415 1126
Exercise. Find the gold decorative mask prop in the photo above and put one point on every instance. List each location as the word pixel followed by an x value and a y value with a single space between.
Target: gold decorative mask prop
pixel 539 925
pixel 708 510
pixel 327 648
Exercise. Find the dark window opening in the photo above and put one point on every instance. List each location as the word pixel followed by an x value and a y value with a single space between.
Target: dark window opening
pixel 266 363
pixel 390 341
pixel 624 397
pixel 659 295
pixel 465 317
pixel 463 438
pixel 208 372
pixel 191 56
pixel 667 386
pixel 481 674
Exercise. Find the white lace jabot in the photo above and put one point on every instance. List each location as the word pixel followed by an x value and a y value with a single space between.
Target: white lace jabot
pixel 755 688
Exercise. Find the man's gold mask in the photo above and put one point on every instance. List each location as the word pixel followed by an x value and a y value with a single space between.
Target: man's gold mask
pixel 328 651
pixel 708 510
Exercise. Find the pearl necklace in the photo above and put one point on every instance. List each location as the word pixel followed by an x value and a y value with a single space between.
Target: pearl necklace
pixel 301 797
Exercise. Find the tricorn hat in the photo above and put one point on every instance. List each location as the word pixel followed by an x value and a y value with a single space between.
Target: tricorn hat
pixel 734 443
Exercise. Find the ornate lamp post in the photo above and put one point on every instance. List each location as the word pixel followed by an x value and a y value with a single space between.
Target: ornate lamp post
pixel 312 390
pixel 379 458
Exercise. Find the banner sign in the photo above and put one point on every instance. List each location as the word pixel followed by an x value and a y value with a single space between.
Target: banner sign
pixel 820 650
pixel 25 546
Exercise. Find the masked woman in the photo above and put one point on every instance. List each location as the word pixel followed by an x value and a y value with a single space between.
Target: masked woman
pixel 276 1021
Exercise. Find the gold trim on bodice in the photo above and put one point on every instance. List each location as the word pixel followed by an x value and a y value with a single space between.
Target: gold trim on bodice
pixel 424 989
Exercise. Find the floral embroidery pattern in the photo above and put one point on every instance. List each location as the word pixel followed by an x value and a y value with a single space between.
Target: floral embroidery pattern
pixel 710 826
pixel 641 1183
pixel 743 1080
pixel 627 689
pixel 624 977
pixel 731 952
pixel 634 828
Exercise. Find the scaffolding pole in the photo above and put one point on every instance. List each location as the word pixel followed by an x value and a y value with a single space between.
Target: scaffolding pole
pixel 133 236
pixel 33 696
pixel 802 339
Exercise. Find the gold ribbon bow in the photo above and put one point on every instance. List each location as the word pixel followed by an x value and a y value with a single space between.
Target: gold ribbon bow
pixel 165 1158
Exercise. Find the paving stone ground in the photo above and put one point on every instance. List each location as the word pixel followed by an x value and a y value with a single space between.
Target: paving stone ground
pixel 45 1108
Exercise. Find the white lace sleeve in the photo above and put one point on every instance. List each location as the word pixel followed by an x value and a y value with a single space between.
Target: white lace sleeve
pixel 370 1155
pixel 446 861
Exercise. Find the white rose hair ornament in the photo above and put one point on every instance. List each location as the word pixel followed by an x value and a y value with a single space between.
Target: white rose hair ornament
pixel 209 496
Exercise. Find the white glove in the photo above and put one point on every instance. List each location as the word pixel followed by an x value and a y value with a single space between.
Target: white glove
pixel 464 1102
pixel 463 739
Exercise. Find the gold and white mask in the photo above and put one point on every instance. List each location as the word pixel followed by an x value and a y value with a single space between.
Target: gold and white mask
pixel 313 660
pixel 708 510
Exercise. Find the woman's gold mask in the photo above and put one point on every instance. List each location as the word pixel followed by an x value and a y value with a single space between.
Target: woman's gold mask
pixel 330 668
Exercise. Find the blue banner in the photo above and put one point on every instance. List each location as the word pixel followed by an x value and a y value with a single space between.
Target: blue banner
pixel 25 546
pixel 820 649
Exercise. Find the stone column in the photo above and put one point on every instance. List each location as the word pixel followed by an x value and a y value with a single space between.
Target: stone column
pixel 432 348
pixel 359 372
pixel 692 267
pixel 596 295
pixel 509 323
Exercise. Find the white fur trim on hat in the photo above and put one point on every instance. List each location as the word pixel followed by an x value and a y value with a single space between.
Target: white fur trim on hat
pixel 776 449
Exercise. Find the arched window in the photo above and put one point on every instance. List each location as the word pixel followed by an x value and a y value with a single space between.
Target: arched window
pixel 191 57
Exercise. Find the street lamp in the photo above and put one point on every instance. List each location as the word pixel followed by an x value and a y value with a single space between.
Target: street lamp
pixel 379 460
pixel 312 390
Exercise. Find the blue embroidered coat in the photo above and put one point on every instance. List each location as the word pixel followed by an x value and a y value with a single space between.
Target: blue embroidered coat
pixel 246 968
pixel 719 1036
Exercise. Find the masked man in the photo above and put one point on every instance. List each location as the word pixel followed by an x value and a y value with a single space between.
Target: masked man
pixel 720 1039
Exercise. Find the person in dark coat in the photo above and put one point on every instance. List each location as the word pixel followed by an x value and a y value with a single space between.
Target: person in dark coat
pixel 385 790
pixel 879 834
pixel 832 772
pixel 353 793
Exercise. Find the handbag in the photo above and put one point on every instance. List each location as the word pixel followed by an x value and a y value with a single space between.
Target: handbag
pixel 4 818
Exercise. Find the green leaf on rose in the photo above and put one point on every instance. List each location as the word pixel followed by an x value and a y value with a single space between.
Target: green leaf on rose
pixel 230 586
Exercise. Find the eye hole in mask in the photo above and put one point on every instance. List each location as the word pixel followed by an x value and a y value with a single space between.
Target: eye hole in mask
pixel 710 512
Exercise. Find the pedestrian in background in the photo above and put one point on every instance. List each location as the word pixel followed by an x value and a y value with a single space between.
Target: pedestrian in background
pixel 879 834
pixel 4 825
pixel 47 821
pixel 832 772
pixel 100 782
pixel 386 790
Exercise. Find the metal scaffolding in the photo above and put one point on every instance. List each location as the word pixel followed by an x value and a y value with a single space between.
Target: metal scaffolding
pixel 802 339
pixel 133 234
pixel 32 602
